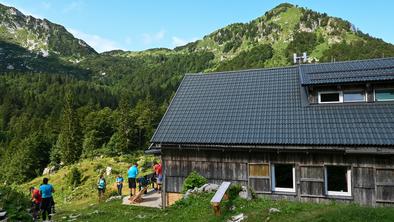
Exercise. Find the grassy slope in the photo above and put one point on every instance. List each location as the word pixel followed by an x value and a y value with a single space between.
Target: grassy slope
pixel 199 209
pixel 82 201
pixel 287 21
pixel 86 193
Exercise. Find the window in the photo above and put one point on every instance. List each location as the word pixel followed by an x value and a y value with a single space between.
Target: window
pixel 338 180
pixel 342 96
pixel 384 95
pixel 283 177
pixel 259 177
pixel 354 96
pixel 330 97
pixel 258 170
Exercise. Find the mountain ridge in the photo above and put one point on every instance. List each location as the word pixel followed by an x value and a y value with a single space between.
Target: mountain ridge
pixel 284 30
pixel 40 35
pixel 276 35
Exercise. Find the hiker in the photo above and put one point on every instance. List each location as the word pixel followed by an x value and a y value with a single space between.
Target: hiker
pixel 46 191
pixel 101 184
pixel 35 202
pixel 159 175
pixel 132 175
pixel 119 184
pixel 53 205
pixel 143 183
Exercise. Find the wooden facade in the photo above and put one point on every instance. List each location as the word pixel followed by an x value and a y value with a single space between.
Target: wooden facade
pixel 372 175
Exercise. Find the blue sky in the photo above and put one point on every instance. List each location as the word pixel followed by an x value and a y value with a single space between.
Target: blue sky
pixel 138 25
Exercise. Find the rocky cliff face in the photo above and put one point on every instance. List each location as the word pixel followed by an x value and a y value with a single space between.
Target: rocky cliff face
pixel 40 35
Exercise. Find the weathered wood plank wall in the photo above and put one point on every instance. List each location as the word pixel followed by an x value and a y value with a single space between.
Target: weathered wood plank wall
pixel 372 175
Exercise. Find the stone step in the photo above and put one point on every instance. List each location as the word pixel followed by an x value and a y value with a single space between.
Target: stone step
pixel 3 215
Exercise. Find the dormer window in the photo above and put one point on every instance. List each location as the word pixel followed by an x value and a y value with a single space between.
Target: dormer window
pixel 354 96
pixel 384 95
pixel 347 96
pixel 330 97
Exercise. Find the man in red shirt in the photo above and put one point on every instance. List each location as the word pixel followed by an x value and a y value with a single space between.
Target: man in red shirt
pixel 36 202
pixel 159 175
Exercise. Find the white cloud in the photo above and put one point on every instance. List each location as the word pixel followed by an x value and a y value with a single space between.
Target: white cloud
pixel 73 6
pixel 128 40
pixel 176 41
pixel 99 43
pixel 46 5
pixel 148 39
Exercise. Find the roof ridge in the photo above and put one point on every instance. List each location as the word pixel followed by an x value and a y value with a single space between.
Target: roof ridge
pixel 240 71
pixel 351 70
pixel 347 61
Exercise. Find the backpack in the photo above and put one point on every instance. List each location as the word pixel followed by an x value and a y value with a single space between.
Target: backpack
pixel 101 184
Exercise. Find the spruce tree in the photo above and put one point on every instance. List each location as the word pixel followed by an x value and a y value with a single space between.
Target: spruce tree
pixel 69 141
pixel 125 127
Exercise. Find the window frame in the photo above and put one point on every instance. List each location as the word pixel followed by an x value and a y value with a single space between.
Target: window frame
pixel 273 179
pixel 385 100
pixel 348 180
pixel 355 90
pixel 330 92
pixel 264 177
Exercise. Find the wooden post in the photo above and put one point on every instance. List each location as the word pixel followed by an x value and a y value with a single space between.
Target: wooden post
pixel 216 209
pixel 225 196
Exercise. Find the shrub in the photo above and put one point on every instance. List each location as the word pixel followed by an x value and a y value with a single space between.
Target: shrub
pixel 74 177
pixel 252 193
pixel 15 203
pixel 115 171
pixel 234 190
pixel 98 167
pixel 112 193
pixel 193 180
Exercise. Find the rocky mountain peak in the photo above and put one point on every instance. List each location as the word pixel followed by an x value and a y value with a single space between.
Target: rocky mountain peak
pixel 40 35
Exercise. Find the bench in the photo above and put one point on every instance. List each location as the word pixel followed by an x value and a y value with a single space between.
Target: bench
pixel 138 197
pixel 220 194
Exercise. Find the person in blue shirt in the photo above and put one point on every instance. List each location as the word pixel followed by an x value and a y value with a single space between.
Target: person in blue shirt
pixel 46 191
pixel 132 175
pixel 119 184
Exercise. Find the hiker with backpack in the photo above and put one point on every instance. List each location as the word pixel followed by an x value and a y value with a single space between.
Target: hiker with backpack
pixel 119 184
pixel 159 175
pixel 143 183
pixel 46 191
pixel 35 202
pixel 101 185
pixel 132 176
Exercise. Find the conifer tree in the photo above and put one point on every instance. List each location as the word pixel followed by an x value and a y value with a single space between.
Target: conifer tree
pixel 69 141
pixel 125 127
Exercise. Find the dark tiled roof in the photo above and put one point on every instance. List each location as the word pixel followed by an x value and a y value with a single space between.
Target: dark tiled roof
pixel 347 72
pixel 265 107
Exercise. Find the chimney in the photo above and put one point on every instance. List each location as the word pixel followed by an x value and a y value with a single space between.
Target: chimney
pixel 300 59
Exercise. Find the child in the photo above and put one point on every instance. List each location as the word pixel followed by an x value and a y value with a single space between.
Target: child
pixel 101 187
pixel 119 184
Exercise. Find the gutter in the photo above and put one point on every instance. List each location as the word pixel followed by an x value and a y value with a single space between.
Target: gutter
pixel 279 148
